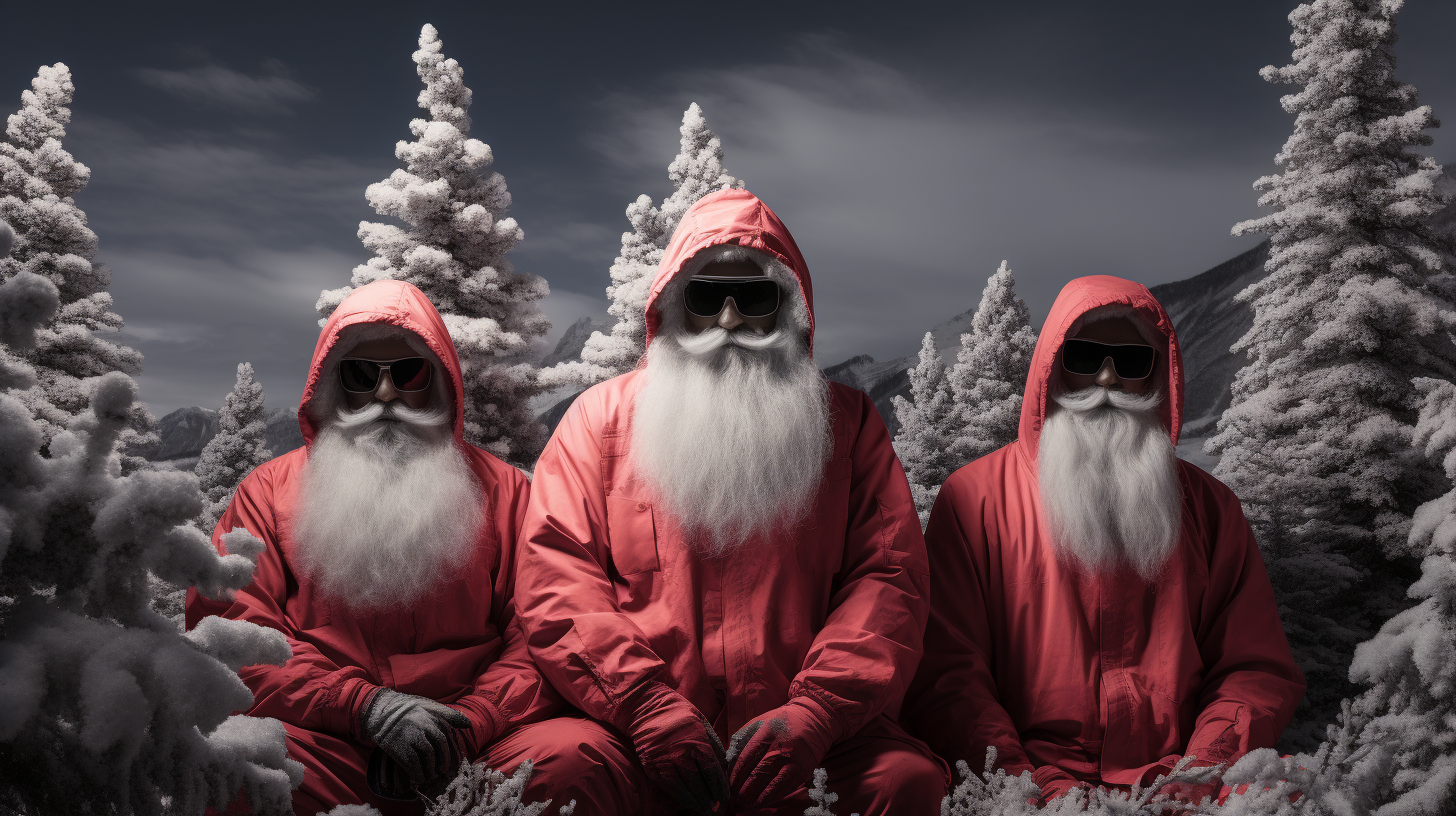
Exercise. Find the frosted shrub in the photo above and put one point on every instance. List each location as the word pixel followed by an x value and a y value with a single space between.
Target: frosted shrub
pixel 454 247
pixel 38 180
pixel 241 444
pixel 989 375
pixel 107 707
pixel 696 171
pixel 922 442
pixel 1317 440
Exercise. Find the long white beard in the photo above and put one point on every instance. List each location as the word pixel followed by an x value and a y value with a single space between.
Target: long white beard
pixel 1109 481
pixel 731 433
pixel 388 507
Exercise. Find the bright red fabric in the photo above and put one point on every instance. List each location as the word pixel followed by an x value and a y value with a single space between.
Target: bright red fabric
pixel 612 597
pixel 461 647
pixel 1105 677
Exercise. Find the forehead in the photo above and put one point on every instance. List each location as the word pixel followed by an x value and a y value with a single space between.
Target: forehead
pixel 731 269
pixel 1115 330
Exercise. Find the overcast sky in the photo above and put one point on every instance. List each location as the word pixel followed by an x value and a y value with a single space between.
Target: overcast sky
pixel 910 148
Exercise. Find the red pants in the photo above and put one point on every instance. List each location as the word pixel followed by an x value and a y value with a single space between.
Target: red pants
pixel 572 758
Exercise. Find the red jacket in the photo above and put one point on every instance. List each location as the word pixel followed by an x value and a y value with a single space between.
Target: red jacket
pixel 459 646
pixel 612 597
pixel 1106 678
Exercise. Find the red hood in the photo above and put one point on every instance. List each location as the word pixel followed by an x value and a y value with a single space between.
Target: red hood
pixel 729 217
pixel 1076 299
pixel 398 304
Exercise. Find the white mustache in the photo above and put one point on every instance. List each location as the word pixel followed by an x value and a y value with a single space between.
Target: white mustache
pixel 423 418
pixel 1096 396
pixel 710 340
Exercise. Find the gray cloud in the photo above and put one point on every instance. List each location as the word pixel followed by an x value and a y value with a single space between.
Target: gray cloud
pixel 904 202
pixel 214 86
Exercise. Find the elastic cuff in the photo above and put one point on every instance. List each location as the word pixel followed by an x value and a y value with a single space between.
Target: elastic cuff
pixel 626 708
pixel 343 710
pixel 486 724
pixel 823 713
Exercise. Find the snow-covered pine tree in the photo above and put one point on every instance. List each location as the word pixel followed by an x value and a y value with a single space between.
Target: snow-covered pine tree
pixel 454 249
pixel 1316 442
pixel 697 171
pixel 989 375
pixel 37 181
pixel 107 707
pixel 925 423
pixel 241 444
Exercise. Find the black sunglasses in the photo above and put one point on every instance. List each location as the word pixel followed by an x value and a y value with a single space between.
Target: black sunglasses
pixel 753 297
pixel 361 376
pixel 1132 361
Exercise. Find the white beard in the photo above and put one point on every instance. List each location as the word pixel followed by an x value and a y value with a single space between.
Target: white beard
pixel 388 507
pixel 1109 481
pixel 731 433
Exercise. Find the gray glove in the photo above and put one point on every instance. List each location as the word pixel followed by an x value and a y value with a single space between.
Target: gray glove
pixel 415 732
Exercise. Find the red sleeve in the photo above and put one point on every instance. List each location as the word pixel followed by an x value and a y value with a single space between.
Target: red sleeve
pixel 1251 684
pixel 512 691
pixel 861 661
pixel 309 691
pixel 595 655
pixel 953 704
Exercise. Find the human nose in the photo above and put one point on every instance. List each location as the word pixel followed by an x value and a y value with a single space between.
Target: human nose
pixel 729 318
pixel 385 390
pixel 1107 375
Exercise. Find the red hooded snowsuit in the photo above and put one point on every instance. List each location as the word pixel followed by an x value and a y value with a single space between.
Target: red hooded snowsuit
pixel 613 598
pixel 1105 679
pixel 459 646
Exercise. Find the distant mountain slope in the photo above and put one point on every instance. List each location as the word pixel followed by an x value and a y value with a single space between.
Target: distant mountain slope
pixel 186 431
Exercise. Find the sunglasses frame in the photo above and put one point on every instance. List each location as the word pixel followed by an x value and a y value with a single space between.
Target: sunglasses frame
pixel 778 293
pixel 1152 364
pixel 384 370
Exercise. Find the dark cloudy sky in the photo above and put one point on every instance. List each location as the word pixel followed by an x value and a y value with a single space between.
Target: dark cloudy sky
pixel 910 147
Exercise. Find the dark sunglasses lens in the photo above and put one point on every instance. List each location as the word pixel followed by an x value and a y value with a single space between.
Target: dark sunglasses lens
pixel 359 376
pixel 755 298
pixel 704 298
pixel 410 374
pixel 1083 356
pixel 1133 362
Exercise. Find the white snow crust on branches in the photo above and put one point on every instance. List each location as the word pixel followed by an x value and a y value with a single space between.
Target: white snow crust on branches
pixel 1317 440
pixel 51 238
pixel 107 707
pixel 241 444
pixel 478 791
pixel 695 172
pixel 960 415
pixel 925 428
pixel 454 249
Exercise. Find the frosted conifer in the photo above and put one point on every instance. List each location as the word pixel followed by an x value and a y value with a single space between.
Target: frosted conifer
pixel 241 444
pixel 989 375
pixel 38 179
pixel 921 442
pixel 107 707
pixel 454 249
pixel 1317 440
pixel 697 171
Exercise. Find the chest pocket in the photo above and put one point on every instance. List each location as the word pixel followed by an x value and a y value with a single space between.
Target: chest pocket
pixel 631 535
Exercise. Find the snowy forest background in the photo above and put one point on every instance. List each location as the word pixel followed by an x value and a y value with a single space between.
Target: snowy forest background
pixel 1321 386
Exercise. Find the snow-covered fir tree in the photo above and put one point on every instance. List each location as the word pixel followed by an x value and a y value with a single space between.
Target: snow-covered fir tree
pixel 107 708
pixel 696 171
pixel 38 180
pixel 1317 440
pixel 241 444
pixel 454 248
pixel 925 428
pixel 989 375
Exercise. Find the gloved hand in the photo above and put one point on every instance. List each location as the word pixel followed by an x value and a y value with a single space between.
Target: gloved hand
pixel 777 752
pixel 416 732
pixel 677 747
